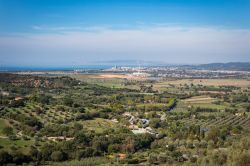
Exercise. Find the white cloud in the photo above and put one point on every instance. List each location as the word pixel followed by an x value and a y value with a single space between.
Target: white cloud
pixel 61 28
pixel 160 43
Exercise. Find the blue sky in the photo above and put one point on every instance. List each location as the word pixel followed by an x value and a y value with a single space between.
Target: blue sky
pixel 67 32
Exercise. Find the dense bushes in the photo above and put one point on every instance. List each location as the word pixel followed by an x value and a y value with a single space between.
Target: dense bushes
pixel 17 158
pixel 5 157
pixel 58 156
pixel 199 109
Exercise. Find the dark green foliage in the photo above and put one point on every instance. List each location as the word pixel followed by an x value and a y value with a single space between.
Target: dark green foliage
pixel 7 131
pixel 19 158
pixel 17 103
pixel 58 156
pixel 68 101
pixel 5 157
pixel 155 123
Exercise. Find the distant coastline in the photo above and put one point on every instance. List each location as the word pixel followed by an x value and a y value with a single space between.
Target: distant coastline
pixel 232 66
pixel 61 68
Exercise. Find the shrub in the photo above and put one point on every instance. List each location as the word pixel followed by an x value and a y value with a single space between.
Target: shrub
pixel 57 156
pixel 8 131
pixel 5 157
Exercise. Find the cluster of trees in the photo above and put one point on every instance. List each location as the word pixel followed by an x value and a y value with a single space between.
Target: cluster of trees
pixel 28 81
pixel 26 123
pixel 15 157
pixel 240 98
pixel 41 98
pixel 204 109
pixel 146 89
pixel 85 144
pixel 215 88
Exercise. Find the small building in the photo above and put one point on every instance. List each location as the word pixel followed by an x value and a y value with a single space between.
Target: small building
pixel 18 98
pixel 5 93
pixel 59 138
pixel 139 131
pixel 239 114
pixel 150 130
pixel 114 120
pixel 133 127
pixel 121 156
pixel 145 122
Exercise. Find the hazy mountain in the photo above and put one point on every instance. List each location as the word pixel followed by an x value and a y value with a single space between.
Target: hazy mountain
pixel 238 66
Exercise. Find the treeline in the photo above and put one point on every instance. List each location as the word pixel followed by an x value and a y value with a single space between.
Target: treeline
pixel 31 81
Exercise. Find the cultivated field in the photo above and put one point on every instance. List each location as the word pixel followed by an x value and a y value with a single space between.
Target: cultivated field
pixel 99 125
pixel 200 99
pixel 107 80
pixel 206 82
pixel 107 76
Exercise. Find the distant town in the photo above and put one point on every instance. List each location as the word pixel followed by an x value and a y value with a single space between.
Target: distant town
pixel 151 72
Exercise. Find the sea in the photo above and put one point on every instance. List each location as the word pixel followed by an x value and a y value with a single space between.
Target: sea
pixel 54 68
